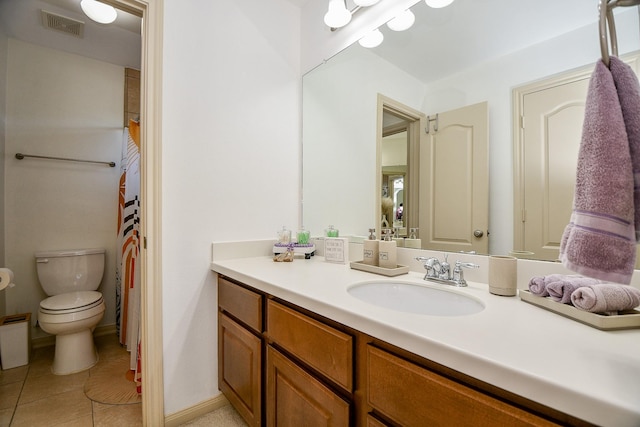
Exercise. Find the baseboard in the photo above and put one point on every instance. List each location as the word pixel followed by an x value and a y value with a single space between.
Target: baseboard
pixel 50 340
pixel 195 411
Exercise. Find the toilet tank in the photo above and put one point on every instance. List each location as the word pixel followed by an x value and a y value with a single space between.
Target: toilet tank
pixel 70 270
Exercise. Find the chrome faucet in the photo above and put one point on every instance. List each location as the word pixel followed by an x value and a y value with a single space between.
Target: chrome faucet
pixel 441 272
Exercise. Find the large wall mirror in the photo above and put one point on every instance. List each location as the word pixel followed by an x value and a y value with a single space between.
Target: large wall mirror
pixel 468 53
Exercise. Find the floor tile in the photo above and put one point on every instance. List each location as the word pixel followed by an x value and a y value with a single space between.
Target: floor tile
pixel 14 375
pixel 9 394
pixel 5 417
pixel 117 415
pixel 39 387
pixel 62 407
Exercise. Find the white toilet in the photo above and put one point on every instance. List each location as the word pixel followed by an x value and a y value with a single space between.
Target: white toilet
pixel 74 307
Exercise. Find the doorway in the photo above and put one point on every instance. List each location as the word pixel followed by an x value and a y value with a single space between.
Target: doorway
pixel 151 12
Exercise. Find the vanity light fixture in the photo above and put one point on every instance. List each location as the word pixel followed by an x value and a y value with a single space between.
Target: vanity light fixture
pixel 373 39
pixel 98 11
pixel 402 21
pixel 337 16
pixel 437 4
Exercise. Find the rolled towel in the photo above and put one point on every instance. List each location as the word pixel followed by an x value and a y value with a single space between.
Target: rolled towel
pixel 538 285
pixel 562 289
pixel 606 297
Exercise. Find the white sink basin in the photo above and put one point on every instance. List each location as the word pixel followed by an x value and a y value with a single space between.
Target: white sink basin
pixel 416 298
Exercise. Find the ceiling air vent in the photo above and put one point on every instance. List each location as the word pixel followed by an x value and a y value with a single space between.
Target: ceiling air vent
pixel 63 24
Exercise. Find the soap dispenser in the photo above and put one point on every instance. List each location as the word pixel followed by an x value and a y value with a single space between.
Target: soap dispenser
pixel 396 236
pixel 412 241
pixel 387 251
pixel 370 250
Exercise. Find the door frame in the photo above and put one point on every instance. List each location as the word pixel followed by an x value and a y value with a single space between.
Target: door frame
pixel 415 121
pixel 152 13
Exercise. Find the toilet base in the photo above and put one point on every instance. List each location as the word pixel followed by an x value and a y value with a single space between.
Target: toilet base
pixel 74 353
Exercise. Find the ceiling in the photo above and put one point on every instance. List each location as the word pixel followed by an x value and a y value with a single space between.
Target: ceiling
pixel 118 43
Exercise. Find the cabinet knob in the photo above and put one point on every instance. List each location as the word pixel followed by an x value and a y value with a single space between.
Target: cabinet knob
pixel 478 233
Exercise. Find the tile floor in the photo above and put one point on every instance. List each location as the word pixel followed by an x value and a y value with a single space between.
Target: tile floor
pixel 32 396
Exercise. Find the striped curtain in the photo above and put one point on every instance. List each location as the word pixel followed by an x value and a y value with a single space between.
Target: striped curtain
pixel 128 248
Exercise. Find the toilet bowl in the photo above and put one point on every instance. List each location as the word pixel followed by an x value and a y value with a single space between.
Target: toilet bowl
pixel 74 308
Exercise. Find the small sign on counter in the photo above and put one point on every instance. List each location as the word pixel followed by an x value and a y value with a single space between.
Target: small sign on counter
pixel 336 249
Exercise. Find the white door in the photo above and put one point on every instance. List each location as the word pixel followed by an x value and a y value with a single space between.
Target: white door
pixel 454 181
pixel 551 129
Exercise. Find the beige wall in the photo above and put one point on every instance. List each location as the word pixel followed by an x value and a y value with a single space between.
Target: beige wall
pixel 62 105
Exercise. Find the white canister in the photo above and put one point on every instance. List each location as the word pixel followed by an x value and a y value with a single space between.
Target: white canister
pixel 503 275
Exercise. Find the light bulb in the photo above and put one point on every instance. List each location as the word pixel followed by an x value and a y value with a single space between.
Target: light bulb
pixel 365 3
pixel 337 16
pixel 373 39
pixel 437 4
pixel 402 21
pixel 99 12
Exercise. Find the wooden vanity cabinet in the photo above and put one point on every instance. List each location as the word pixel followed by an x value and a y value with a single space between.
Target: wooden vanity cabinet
pixel 240 349
pixel 282 365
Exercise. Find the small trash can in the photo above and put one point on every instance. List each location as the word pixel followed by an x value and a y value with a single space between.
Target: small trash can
pixel 15 340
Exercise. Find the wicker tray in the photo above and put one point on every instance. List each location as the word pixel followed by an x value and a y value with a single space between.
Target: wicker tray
pixel 629 319
pixel 400 269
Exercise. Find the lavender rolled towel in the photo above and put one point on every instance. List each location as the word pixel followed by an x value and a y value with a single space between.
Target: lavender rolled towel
pixel 538 285
pixel 628 90
pixel 606 297
pixel 561 290
pixel 599 240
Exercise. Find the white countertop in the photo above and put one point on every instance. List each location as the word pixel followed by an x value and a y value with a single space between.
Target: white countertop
pixel 582 371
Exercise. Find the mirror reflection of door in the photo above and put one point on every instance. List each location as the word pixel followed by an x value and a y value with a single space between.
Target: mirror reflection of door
pixel 548 126
pixel 454 181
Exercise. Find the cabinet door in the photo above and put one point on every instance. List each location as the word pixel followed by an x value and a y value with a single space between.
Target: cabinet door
pixel 411 395
pixel 295 398
pixel 240 369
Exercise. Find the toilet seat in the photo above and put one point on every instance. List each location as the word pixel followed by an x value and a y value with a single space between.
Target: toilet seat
pixel 71 306
pixel 71 302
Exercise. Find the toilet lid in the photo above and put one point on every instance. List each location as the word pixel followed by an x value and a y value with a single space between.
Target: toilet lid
pixel 76 301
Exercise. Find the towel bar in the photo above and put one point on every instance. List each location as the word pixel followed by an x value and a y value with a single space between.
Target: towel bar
pixel 21 156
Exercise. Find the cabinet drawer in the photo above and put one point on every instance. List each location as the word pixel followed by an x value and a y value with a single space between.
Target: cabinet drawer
pixel 241 303
pixel 295 398
pixel 322 347
pixel 240 369
pixel 414 396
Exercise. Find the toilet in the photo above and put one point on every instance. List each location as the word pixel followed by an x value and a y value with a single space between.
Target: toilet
pixel 74 307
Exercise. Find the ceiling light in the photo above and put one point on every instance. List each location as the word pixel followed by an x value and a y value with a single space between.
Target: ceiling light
pixel 99 12
pixel 402 21
pixel 437 4
pixel 373 39
pixel 338 15
pixel 365 3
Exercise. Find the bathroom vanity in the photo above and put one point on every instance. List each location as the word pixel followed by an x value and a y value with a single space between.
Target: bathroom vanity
pixel 295 348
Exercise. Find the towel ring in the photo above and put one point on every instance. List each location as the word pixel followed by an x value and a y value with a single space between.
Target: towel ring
pixel 606 17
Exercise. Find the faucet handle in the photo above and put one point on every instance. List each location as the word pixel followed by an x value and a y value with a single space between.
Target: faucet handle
pixel 458 275
pixel 460 264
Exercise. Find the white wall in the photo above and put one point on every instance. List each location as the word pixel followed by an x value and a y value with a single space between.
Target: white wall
pixel 231 114
pixel 63 105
